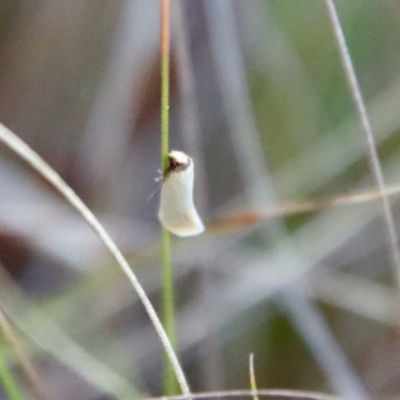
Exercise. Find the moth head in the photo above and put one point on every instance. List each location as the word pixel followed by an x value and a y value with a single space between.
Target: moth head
pixel 178 161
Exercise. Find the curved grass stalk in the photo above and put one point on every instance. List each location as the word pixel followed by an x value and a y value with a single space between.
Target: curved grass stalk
pixel 272 394
pixel 11 140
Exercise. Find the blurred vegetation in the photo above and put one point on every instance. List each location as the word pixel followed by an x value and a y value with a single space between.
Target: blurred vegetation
pixel 313 295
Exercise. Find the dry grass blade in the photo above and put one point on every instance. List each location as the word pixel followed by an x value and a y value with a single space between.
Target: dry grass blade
pixel 273 393
pixel 243 219
pixel 363 115
pixel 246 138
pixel 35 161
pixel 38 387
pixel 253 382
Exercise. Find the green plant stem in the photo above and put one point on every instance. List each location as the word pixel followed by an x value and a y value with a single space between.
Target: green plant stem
pixel 165 50
pixel 170 382
pixel 8 382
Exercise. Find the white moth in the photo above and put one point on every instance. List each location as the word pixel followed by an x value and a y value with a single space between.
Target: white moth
pixel 177 212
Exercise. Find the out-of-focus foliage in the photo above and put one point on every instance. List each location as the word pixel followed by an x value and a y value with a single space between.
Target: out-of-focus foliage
pixel 260 100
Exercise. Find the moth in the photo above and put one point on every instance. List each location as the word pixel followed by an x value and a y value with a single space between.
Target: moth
pixel 177 212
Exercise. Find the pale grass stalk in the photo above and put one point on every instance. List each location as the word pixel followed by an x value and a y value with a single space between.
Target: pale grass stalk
pixel 241 219
pixel 246 141
pixel 262 393
pixel 35 161
pixel 253 383
pixel 366 125
pixel 41 391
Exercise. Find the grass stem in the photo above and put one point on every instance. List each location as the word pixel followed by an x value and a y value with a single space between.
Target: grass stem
pixel 170 382
pixel 35 161
pixel 371 142
pixel 253 383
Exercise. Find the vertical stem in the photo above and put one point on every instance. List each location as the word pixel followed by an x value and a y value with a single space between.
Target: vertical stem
pixel 170 383
pixel 165 50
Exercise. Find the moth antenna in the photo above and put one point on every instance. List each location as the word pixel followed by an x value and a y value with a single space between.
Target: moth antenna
pixel 160 179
